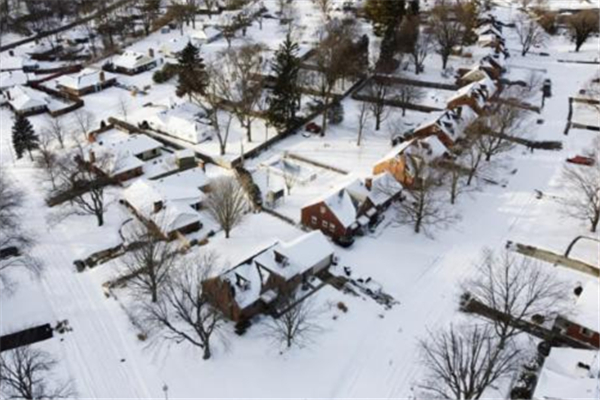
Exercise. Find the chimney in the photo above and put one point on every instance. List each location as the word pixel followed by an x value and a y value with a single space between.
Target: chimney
pixel 92 156
pixel 11 53
pixel 369 183
pixel 151 52
pixel 158 205
pixel 102 77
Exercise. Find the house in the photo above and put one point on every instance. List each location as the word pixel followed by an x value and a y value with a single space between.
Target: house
pixel 10 62
pixel 569 373
pixel 132 63
pixel 475 95
pixel 583 324
pixel 396 164
pixel 449 127
pixel 87 81
pixel 254 286
pixel 9 79
pixel 171 204
pixel 467 76
pixel 123 159
pixel 350 209
pixel 26 101
pixel 185 121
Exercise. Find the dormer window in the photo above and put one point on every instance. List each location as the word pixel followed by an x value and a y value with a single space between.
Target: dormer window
pixel 241 282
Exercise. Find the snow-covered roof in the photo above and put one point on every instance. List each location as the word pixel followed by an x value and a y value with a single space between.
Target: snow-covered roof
pixel 564 377
pixel 587 307
pixel 194 178
pixel 289 259
pixel 397 150
pixel 8 62
pixel 341 204
pixel 488 29
pixel 23 98
pixel 475 74
pixel 176 201
pixel 84 79
pixel 121 155
pixel 132 60
pixel 247 282
pixel 183 121
pixel 383 187
pixel 9 79
pixel 480 90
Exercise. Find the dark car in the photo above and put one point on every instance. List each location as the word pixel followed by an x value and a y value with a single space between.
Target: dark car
pixel 312 127
pixel 8 252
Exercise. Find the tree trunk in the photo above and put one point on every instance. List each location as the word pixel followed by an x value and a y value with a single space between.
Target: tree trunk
pixel 100 218
pixel 226 233
pixel 595 222
pixel 377 121
pixel 206 354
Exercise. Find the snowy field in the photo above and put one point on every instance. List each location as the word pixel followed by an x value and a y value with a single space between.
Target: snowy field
pixel 368 352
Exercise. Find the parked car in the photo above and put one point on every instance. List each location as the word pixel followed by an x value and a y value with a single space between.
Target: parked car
pixel 8 252
pixel 581 160
pixel 313 127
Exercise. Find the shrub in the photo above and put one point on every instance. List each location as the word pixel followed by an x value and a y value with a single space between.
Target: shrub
pixel 342 307
pixel 167 72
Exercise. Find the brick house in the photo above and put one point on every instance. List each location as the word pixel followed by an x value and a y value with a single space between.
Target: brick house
pixel 449 127
pixel 475 95
pixel 583 324
pixel 351 208
pixel 254 286
pixel 87 81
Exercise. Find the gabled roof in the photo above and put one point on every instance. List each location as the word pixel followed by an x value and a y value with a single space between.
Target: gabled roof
pixel 84 79
pixel 182 121
pixel 23 98
pixel 132 60
pixel 9 79
pixel 299 255
pixel 397 150
pixel 176 211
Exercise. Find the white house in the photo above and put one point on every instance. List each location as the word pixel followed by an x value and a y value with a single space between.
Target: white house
pixel 569 373
pixel 86 81
pixel 167 204
pixel 185 121
pixel 132 62
pixel 26 101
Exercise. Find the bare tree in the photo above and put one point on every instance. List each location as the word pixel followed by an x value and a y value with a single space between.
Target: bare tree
pixel 13 234
pixel 581 26
pixel 582 194
pixel 47 160
pixel 447 32
pixel 56 128
pixel 336 59
pixel 28 373
pixel 530 33
pixel 378 91
pixel 84 121
pixel 290 177
pixel 407 94
pixel 324 6
pixel 243 67
pixel 183 312
pixel 424 207
pixel 150 263
pixel 494 132
pixel 363 116
pixel 297 322
pixel 226 202
pixel 462 362
pixel 420 50
pixel 216 90
pixel 123 104
pixel 516 289
pixel 85 182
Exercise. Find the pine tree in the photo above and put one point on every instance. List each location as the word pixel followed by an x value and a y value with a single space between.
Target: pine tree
pixel 385 14
pixel 192 73
pixel 285 96
pixel 24 137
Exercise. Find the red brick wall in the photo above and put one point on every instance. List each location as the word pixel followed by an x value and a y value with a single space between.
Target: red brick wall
pixel 315 211
pixel 574 331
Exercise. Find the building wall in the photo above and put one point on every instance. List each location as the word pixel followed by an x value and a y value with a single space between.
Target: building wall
pixel 126 175
pixel 397 167
pixel 576 332
pixel 321 218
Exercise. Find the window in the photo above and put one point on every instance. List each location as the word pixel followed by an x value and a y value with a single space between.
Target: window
pixel 586 332
pixel 313 220
pixel 332 227
pixel 325 224
pixel 322 210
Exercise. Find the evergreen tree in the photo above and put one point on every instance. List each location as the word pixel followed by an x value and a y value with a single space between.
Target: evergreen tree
pixel 285 96
pixel 192 73
pixel 24 137
pixel 385 14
